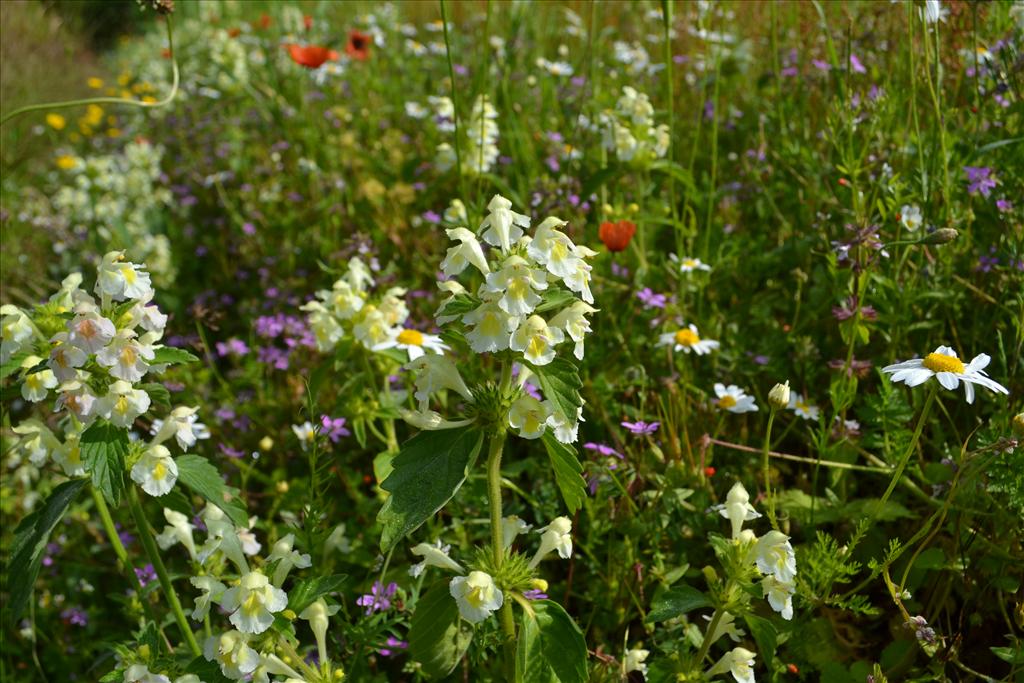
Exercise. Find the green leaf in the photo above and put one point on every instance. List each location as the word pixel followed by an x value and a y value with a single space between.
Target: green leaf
pixel 203 478
pixel 428 471
pixel 531 667
pixel 158 393
pixel 171 356
pixel 30 539
pixel 115 676
pixel 568 471
pixel 437 637
pixel 561 384
pixel 308 590
pixel 103 448
pixel 12 364
pixel 764 635
pixel 208 671
pixel 554 298
pixel 676 601
pixel 459 304
pixel 558 639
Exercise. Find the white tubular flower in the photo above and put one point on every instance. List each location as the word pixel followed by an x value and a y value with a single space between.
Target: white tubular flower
pixel 466 253
pixel 430 420
pixel 502 226
pixel 737 508
pixel 15 329
pixel 528 416
pixel 120 279
pixel 287 558
pixel 317 614
pixel 123 403
pixel 555 536
pixel 434 373
pixel 688 339
pixel 222 535
pixel 634 660
pixel 948 370
pixel 344 299
pixel 451 288
pixel 247 538
pixel 573 320
pixel 553 249
pixel 37 386
pixel 148 315
pixel 372 327
pixel 36 442
pixel 739 662
pixel 212 591
pixel 392 306
pixel 536 340
pixel 775 556
pixel 155 471
pixel 183 426
pixel 90 331
pixel 726 627
pixel 492 327
pixel 910 216
pixel 578 280
pixel 69 456
pixel 305 433
pixel 253 602
pixel 799 405
pixel 125 357
pixel 358 275
pixel 518 283
pixel 511 527
pixel 780 595
pixel 65 358
pixel 326 329
pixel 734 399
pixel 476 595
pixel 78 399
pixel 273 664
pixel 140 673
pixel 231 650
pixel 178 530
pixel 434 555
pixel 565 430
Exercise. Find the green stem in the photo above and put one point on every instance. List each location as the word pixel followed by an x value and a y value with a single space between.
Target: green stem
pixel 153 553
pixel 455 106
pixel 707 635
pixel 49 106
pixel 497 444
pixel 767 475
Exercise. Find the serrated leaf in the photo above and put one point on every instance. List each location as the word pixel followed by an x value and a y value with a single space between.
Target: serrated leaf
pixel 308 590
pixel 158 394
pixel 676 601
pixel 560 381
pixel 30 539
pixel 559 641
pixel 103 447
pixel 203 478
pixel 428 470
pixel 13 363
pixel 437 637
pixel 568 471
pixel 554 298
pixel 459 304
pixel 764 635
pixel 115 676
pixel 171 356
pixel 531 667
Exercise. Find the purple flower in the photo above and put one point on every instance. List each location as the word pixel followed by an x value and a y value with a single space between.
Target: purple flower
pixel 75 616
pixel 431 217
pixel 145 575
pixel 230 452
pixel 821 64
pixel 249 228
pixel 333 428
pixel 650 299
pixel 603 449
pixel 641 427
pixel 379 597
pixel 535 594
pixel 856 65
pixel 1004 205
pixel 392 644
pixel 531 389
pixel 979 180
pixel 619 271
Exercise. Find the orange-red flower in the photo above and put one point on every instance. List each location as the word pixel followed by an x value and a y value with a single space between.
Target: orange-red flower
pixel 307 21
pixel 359 45
pixel 616 236
pixel 263 23
pixel 310 56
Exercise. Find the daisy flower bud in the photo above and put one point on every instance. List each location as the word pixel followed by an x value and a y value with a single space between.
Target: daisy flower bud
pixel 476 595
pixel 940 236
pixel 778 397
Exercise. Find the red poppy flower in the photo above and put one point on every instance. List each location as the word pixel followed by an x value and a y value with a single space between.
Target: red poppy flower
pixel 234 32
pixel 310 56
pixel 359 45
pixel 616 236
pixel 307 21
pixel 262 23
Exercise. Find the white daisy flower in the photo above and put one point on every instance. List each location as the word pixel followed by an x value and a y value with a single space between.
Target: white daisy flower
pixel 688 339
pixel 734 399
pixel 688 264
pixel 253 602
pixel 944 366
pixel 799 405
pixel 305 433
pixel 476 595
pixel 413 342
pixel 155 471
pixel 910 216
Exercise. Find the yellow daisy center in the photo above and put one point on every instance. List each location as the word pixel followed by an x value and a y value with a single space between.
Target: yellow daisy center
pixel 690 263
pixel 940 362
pixel 687 337
pixel 726 402
pixel 410 337
pixel 802 405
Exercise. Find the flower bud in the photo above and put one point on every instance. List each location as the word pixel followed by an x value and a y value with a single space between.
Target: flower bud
pixel 266 443
pixel 778 397
pixel 940 236
pixel 539 584
pixel 1018 423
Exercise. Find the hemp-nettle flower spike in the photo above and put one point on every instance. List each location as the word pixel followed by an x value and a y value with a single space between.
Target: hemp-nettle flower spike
pixel 517 282
pixel 739 662
pixel 528 416
pixel 434 555
pixel 502 226
pixel 737 508
pixel 780 595
pixel 155 471
pixel 944 365
pixel 476 595
pixel 317 614
pixel 555 536
pixel 491 327
pixel 287 558
pixel 775 556
pixel 434 373
pixel 253 602
pixel 536 339
pixel 178 530
pixel 231 650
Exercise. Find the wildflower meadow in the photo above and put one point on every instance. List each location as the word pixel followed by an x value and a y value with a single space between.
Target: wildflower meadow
pixel 512 341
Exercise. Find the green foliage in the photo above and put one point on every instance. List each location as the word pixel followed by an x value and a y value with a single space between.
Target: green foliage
pixel 550 635
pixel 676 601
pixel 438 638
pixel 307 591
pixel 172 356
pixel 104 447
pixel 196 472
pixel 823 565
pixel 561 383
pixel 568 471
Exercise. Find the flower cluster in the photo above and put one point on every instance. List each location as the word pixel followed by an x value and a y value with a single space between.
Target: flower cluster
pixel 629 130
pixel 523 277
pixel 481 137
pixel 351 310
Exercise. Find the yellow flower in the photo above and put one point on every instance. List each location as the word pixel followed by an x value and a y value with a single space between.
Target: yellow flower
pixel 124 79
pixel 66 162
pixel 148 99
pixel 56 121
pixel 113 132
pixel 95 83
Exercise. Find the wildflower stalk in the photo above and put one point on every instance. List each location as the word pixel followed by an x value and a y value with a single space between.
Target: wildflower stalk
pixel 153 553
pixel 666 17
pixel 455 105
pixel 766 471
pixel 706 644
pixel 49 106
pixel 497 444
